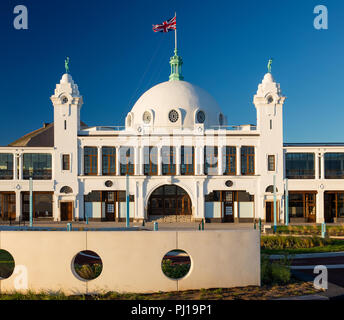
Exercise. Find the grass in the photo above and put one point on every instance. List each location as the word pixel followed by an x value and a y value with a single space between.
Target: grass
pixel 295 245
pixel 264 292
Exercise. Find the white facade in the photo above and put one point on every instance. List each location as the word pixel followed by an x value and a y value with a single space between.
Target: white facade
pixel 175 114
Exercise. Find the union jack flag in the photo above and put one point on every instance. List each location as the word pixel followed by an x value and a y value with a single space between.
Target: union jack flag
pixel 166 26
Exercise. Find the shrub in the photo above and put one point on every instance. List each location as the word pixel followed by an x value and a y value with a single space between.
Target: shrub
pixel 89 271
pixel 174 271
pixel 277 272
pixel 289 242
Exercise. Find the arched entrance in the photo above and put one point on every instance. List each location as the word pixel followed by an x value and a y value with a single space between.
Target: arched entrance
pixel 169 200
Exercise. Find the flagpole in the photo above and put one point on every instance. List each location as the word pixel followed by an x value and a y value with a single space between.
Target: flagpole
pixel 175 35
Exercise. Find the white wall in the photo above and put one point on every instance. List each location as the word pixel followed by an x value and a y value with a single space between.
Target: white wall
pixel 132 259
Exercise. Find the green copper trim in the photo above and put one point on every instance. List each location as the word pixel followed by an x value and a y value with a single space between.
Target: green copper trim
pixel 270 65
pixel 176 63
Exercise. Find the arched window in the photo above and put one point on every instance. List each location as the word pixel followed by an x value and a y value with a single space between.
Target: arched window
pixel 66 190
pixel 270 189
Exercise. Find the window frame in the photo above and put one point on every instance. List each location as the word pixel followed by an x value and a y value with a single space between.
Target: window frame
pixel 111 159
pixel 65 168
pixel 92 158
pixel 229 170
pixel 187 171
pixel 271 165
pixel 246 157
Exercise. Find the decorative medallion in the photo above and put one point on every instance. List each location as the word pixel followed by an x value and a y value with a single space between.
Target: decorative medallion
pixel 229 183
pixel 173 116
pixel 108 183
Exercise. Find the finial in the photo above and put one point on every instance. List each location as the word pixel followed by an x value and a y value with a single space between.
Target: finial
pixel 270 65
pixel 67 65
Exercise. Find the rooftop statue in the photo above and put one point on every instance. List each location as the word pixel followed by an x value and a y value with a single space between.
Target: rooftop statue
pixel 67 65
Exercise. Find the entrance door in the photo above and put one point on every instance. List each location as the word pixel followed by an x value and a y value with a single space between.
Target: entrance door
pixel 228 206
pixel 310 207
pixel 66 211
pixel 110 208
pixel 269 212
pixel 8 206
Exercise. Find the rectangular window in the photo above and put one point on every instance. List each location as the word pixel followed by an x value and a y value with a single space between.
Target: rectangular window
pixel 271 163
pixel 247 160
pixel 334 165
pixel 168 160
pixel 90 161
pixel 42 205
pixel 210 160
pixel 300 165
pixel 109 161
pixel 6 166
pixel 302 204
pixel 65 162
pixel 230 161
pixel 188 161
pixel 126 160
pixel 334 206
pixel 37 165
pixel 150 158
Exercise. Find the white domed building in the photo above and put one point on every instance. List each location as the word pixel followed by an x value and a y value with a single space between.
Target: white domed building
pixel 176 159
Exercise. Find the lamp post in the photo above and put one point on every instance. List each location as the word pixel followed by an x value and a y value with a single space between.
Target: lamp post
pixel 275 206
pixel 286 203
pixel 127 201
pixel 31 205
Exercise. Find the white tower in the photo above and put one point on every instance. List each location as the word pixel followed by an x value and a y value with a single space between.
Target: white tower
pixel 269 105
pixel 67 104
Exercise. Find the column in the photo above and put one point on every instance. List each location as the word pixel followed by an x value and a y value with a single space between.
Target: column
pixel 15 175
pixel 178 159
pixel 141 161
pixel 201 162
pixel 238 161
pixel 118 166
pixel 136 160
pixel 316 159
pixel 196 161
pixel 322 169
pixel 18 205
pixel 99 160
pixel 320 215
pixel 219 160
pixel 81 161
pixel 256 161
pixel 21 167
pixel 159 161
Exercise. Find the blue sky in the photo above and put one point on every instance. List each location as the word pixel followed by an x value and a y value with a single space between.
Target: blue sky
pixel 225 45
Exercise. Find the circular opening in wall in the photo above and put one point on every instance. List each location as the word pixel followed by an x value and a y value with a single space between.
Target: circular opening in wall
pixel 87 265
pixel 64 99
pixel 6 264
pixel 176 264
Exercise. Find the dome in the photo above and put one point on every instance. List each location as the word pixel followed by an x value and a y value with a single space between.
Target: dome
pixel 175 104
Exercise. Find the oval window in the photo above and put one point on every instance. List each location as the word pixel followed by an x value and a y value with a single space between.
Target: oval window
pixel 200 117
pixel 173 116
